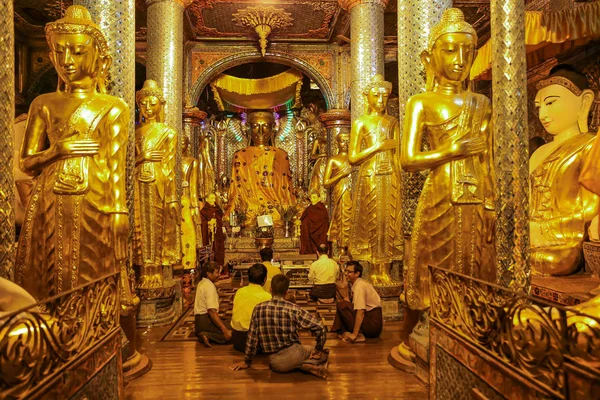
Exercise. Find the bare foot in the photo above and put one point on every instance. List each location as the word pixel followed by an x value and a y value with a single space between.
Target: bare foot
pixel 204 339
pixel 317 370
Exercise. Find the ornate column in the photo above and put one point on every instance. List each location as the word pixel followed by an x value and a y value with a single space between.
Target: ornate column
pixel 415 20
pixel 366 49
pixel 7 111
pixel 509 87
pixel 192 120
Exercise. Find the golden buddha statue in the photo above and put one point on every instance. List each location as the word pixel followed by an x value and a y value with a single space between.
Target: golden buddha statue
pixel 376 234
pixel 190 212
pixel 455 215
pixel 157 240
pixel 76 224
pixel 337 175
pixel 207 180
pixel 560 207
pixel 319 155
pixel 260 177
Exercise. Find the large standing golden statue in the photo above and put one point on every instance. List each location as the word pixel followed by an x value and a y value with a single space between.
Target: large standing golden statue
pixel 261 180
pixel 453 225
pixel 157 214
pixel 560 207
pixel 207 180
pixel 376 234
pixel 337 175
pixel 76 224
pixel 190 211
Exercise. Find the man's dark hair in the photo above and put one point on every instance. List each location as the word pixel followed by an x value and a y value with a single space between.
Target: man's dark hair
pixel 266 254
pixel 358 268
pixel 322 248
pixel 209 267
pixel 257 274
pixel 279 285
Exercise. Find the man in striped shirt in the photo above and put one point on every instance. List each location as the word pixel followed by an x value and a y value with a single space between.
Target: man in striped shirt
pixel 274 327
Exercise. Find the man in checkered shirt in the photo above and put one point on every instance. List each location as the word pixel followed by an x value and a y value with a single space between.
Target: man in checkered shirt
pixel 274 327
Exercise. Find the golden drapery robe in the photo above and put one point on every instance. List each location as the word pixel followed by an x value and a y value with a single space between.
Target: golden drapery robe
pixel 376 234
pixel 341 218
pixel 67 238
pixel 316 176
pixel 157 238
pixel 260 179
pixel 449 229
pixel 190 225
pixel 562 206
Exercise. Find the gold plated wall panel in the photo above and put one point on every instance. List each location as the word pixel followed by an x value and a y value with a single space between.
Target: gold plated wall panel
pixel 415 20
pixel 7 111
pixel 509 80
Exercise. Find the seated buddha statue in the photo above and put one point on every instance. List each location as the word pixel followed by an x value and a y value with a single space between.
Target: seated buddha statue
pixel 76 223
pixel 560 207
pixel 261 180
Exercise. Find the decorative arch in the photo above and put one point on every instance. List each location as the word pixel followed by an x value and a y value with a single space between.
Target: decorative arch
pixel 253 56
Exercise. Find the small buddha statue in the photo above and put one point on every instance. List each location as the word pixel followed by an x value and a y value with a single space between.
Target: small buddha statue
pixel 76 223
pixel 561 208
pixel 260 177
pixel 211 219
pixel 337 176
pixel 157 241
pixel 319 155
pixel 376 234
pixel 207 179
pixel 190 213
pixel 455 215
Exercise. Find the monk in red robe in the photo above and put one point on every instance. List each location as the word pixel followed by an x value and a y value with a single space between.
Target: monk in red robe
pixel 212 227
pixel 315 222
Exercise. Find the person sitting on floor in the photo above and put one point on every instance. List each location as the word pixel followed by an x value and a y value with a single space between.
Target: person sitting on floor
pixel 274 328
pixel 208 324
pixel 246 298
pixel 361 318
pixel 323 274
pixel 266 255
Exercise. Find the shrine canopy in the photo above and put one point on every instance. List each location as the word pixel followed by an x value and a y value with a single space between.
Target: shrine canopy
pixel 275 93
pixel 548 34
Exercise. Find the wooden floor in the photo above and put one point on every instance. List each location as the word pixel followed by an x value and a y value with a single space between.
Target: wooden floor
pixel 188 370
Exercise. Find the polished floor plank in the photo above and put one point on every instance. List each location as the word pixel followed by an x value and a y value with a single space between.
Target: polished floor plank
pixel 188 370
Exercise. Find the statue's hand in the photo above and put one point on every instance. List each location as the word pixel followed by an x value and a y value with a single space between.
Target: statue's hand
pixel 468 147
pixel 387 144
pixel 154 155
pixel 120 231
pixel 76 148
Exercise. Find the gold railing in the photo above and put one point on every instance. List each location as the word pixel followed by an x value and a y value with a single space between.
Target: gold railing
pixel 41 341
pixel 534 338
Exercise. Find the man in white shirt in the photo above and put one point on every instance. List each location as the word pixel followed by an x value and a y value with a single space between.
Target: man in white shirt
pixel 208 324
pixel 323 274
pixel 363 317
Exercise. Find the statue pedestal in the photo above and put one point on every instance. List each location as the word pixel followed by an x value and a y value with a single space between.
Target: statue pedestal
pixel 243 249
pixel 160 306
pixel 564 290
pixel 413 357
pixel 390 301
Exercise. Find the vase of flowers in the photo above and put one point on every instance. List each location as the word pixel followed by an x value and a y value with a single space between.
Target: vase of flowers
pixel 287 216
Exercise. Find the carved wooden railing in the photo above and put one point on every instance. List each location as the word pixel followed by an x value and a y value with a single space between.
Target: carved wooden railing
pixel 40 342
pixel 534 338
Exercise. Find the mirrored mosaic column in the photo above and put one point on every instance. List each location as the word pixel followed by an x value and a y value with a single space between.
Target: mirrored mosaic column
pixel 415 20
pixel 7 111
pixel 509 87
pixel 192 120
pixel 366 49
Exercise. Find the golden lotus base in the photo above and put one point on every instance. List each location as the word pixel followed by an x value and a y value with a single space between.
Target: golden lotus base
pixel 159 307
pixel 136 366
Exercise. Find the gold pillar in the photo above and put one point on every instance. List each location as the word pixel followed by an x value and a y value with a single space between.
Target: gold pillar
pixel 7 111
pixel 366 48
pixel 415 20
pixel 509 87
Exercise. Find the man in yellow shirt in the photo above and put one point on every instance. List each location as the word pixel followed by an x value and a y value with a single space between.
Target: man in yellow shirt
pixel 266 255
pixel 246 298
pixel 323 274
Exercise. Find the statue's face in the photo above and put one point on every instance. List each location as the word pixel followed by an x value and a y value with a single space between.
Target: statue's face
pixel 211 199
pixel 452 56
pixel 76 58
pixel 377 98
pixel 558 108
pixel 150 107
pixel 342 142
pixel 314 198
pixel 261 128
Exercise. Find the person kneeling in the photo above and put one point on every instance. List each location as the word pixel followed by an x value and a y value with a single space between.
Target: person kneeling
pixel 361 318
pixel 323 274
pixel 208 324
pixel 274 327
pixel 245 301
